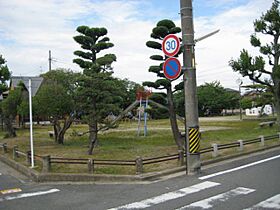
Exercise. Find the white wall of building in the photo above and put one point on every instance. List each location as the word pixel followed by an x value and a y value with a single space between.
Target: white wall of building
pixel 255 111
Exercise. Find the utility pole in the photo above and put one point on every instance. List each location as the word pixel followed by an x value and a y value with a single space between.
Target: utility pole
pixel 50 61
pixel 190 89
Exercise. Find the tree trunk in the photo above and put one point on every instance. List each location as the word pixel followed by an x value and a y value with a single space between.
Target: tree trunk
pixel 276 80
pixel 92 137
pixel 9 126
pixel 179 140
pixel 55 129
pixel 277 103
pixel 60 131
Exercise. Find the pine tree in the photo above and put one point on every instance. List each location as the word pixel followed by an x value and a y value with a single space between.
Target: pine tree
pixel 98 90
pixel 254 67
pixel 162 29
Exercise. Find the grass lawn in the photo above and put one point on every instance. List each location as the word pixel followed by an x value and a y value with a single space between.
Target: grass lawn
pixel 122 143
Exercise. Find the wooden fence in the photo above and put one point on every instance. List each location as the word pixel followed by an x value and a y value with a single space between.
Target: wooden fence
pixel 138 163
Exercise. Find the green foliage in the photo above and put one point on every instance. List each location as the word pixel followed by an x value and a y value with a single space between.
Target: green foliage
pixel 162 29
pixel 23 108
pixel 10 104
pixel 169 24
pixel 127 90
pixel 93 41
pixel 179 100
pixel 163 83
pixel 56 100
pixel 5 75
pixel 255 41
pixel 53 100
pixel 246 65
pixel 153 44
pixel 213 98
pixel 254 67
pixel 155 111
pixel 257 95
pixel 179 86
pixel 99 96
pixel 157 57
pixel 246 103
pixel 269 23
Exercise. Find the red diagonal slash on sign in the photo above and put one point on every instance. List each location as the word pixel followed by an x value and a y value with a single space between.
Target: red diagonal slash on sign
pixel 172 69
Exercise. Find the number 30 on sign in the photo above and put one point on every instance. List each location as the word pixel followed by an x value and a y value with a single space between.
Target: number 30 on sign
pixel 171 45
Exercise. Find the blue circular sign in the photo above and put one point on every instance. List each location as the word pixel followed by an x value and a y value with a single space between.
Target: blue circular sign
pixel 172 68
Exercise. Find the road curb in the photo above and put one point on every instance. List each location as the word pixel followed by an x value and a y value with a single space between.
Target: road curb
pixel 152 176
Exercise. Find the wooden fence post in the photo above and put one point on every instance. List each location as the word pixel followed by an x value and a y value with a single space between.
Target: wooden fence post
pixel 262 141
pixel 241 145
pixel 215 150
pixel 90 166
pixel 15 152
pixel 5 148
pixel 139 165
pixel 46 164
pixel 181 157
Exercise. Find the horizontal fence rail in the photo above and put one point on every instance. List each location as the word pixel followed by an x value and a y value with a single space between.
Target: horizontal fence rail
pixel 138 163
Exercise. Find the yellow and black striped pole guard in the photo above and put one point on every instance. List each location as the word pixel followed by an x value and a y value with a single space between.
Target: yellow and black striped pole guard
pixel 194 140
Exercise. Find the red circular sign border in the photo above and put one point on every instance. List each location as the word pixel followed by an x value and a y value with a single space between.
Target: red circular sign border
pixel 177 48
pixel 176 75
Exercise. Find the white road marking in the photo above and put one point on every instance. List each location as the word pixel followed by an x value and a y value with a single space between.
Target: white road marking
pixel 168 196
pixel 25 195
pixel 209 202
pixel 271 203
pixel 238 168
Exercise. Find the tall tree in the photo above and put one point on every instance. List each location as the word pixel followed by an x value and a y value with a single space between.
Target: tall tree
pixel 255 67
pixel 5 75
pixel 58 92
pixel 162 29
pixel 98 90
pixel 6 113
pixel 9 109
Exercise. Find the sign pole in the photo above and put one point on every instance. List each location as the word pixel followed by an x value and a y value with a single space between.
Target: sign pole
pixel 190 89
pixel 31 124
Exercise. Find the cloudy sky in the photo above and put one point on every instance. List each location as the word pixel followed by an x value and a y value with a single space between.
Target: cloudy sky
pixel 30 28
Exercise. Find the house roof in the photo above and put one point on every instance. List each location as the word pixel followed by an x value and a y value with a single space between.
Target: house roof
pixel 35 82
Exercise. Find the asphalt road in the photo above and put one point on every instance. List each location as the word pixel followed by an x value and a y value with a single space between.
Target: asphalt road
pixel 251 183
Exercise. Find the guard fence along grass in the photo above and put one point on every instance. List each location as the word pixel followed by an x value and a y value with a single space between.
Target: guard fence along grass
pixel 122 143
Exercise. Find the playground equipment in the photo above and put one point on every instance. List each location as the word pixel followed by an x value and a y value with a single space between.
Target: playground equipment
pixel 142 96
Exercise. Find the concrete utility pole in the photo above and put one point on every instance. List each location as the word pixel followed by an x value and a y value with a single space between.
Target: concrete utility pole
pixel 50 60
pixel 190 88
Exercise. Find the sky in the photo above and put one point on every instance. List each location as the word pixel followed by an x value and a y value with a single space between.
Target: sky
pixel 30 28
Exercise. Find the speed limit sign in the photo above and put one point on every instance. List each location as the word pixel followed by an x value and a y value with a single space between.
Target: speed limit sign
pixel 170 45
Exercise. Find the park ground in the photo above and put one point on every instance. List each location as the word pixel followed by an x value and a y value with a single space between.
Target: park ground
pixel 123 143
